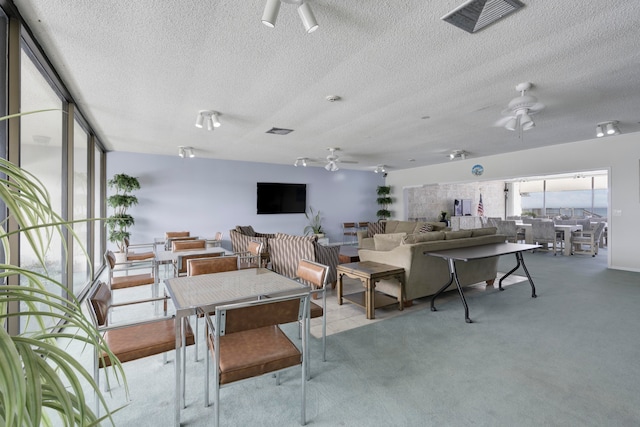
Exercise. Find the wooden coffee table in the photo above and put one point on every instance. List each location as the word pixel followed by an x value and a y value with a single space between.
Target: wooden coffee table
pixel 369 272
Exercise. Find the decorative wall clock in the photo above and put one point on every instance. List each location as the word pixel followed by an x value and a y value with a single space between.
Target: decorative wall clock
pixel 477 170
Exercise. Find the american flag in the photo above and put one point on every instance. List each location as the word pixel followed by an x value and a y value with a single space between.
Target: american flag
pixel 480 207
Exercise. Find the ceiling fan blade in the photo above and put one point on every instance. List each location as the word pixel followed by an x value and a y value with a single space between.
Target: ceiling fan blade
pixel 347 161
pixel 538 106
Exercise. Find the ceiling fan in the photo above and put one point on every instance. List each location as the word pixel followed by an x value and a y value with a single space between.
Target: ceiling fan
pixel 333 160
pixel 520 109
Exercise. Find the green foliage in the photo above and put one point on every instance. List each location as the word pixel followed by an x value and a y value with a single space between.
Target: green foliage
pixel 383 200
pixel 315 222
pixel 120 221
pixel 37 376
pixel 531 214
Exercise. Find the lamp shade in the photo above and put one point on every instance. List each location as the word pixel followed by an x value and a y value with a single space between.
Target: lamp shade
pixel 512 124
pixel 199 120
pixel 270 13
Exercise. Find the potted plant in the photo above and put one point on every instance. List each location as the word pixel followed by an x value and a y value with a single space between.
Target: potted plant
pixel 384 200
pixel 121 201
pixel 315 223
pixel 38 377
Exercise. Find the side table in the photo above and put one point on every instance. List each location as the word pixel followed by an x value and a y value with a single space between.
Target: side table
pixel 369 272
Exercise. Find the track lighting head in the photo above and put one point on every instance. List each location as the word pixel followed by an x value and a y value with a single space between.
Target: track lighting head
pixel 607 128
pixel 458 154
pixel 300 161
pixel 380 169
pixel 210 117
pixel 186 152
pixel 272 8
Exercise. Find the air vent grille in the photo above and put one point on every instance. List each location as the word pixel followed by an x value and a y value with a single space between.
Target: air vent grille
pixel 279 131
pixel 474 15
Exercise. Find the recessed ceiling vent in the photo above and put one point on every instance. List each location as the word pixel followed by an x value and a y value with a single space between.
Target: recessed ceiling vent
pixel 279 131
pixel 474 15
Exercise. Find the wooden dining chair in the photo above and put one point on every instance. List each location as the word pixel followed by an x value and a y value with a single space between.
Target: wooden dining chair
pixel 253 257
pixel 186 245
pixel 246 341
pixel 209 265
pixel 181 265
pixel 130 341
pixel 315 275
pixel 129 280
pixel 139 256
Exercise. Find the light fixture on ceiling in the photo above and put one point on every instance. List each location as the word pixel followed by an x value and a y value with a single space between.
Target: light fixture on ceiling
pixel 458 154
pixel 520 109
pixel 607 128
pixel 272 8
pixel 186 152
pixel 300 161
pixel 208 116
pixel 379 169
pixel 331 166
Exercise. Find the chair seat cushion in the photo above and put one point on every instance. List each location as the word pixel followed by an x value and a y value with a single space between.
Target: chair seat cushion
pixel 316 310
pixel 120 282
pixel 135 342
pixel 139 256
pixel 255 352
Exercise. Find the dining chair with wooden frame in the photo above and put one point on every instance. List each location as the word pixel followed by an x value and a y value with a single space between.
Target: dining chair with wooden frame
pixel 245 341
pixel 315 275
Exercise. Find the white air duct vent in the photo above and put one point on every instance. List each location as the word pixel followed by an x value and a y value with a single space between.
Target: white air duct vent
pixel 474 15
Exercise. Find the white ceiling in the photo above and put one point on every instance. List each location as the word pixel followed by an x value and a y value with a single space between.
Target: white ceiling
pixel 412 85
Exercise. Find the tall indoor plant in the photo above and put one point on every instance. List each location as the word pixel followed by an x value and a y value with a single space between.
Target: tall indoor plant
pixel 383 200
pixel 121 201
pixel 38 377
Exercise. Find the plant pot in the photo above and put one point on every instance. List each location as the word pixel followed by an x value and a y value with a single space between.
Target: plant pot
pixel 319 235
pixel 121 257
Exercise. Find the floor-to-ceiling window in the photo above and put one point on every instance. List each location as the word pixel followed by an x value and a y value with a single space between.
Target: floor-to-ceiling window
pixel 98 211
pixel 80 207
pixel 41 153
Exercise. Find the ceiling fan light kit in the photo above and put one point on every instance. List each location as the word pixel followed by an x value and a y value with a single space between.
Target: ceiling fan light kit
pixel 607 128
pixel 272 8
pixel 520 109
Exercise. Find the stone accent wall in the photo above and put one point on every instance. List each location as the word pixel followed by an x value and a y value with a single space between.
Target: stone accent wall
pixel 425 203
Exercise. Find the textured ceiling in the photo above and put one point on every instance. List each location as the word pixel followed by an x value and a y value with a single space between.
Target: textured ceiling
pixel 411 85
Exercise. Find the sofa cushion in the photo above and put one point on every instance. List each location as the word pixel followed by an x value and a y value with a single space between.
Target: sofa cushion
pixel 390 226
pixel 486 231
pixel 425 228
pixel 388 241
pixel 461 234
pixel 374 228
pixel 423 237
pixel 408 227
pixel 247 230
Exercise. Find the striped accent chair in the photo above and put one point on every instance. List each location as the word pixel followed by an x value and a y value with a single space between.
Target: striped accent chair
pixel 286 251
pixel 242 235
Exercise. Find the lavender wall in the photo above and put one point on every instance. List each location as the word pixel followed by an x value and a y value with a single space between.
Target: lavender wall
pixel 206 195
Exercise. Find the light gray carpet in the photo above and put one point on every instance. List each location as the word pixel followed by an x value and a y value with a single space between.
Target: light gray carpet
pixel 566 358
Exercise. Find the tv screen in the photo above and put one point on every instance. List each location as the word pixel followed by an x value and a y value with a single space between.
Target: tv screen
pixel 278 198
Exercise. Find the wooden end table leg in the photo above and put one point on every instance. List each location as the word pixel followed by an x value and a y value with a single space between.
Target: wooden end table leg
pixel 339 289
pixel 370 298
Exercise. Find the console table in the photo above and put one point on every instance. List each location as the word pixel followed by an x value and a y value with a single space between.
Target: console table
pixel 369 272
pixel 479 252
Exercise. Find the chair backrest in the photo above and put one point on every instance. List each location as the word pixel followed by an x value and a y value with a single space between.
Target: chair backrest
pixel 182 263
pixel 218 236
pixel 99 303
pixel 312 273
pixel 261 313
pixel 181 245
pixel 543 230
pixel 171 234
pixel 585 223
pixel 110 259
pixel 210 265
pixel 597 233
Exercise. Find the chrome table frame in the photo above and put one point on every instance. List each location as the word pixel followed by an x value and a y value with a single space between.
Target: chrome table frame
pixel 207 291
pixel 480 252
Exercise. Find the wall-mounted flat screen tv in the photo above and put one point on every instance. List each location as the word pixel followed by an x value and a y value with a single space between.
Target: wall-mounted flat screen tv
pixel 279 198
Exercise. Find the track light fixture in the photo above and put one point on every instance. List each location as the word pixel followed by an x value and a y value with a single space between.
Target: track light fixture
pixel 208 116
pixel 607 128
pixel 458 154
pixel 379 169
pixel 186 152
pixel 272 8
pixel 300 161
